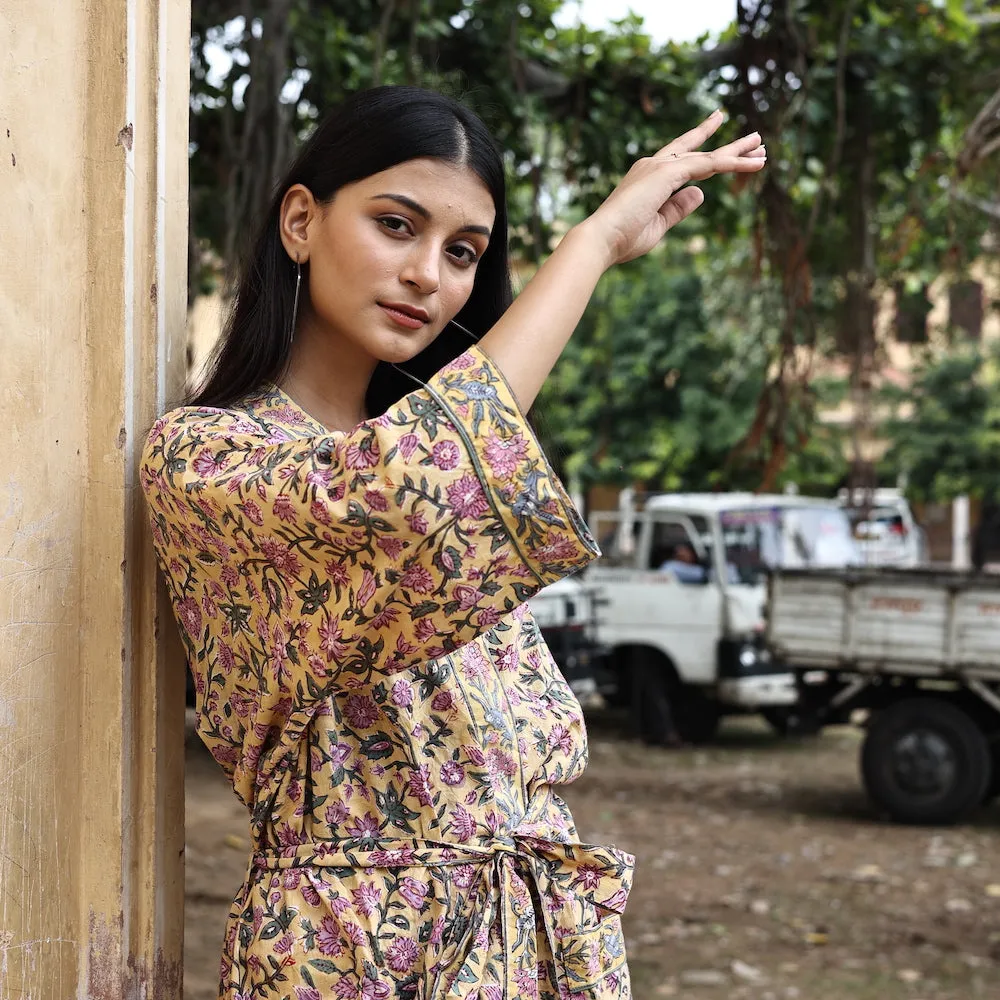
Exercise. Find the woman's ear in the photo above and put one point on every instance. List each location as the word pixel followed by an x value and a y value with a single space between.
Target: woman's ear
pixel 298 210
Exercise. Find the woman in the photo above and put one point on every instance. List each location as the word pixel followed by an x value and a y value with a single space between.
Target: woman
pixel 350 515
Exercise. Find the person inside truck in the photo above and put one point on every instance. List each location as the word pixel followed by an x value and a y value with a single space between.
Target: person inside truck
pixel 684 564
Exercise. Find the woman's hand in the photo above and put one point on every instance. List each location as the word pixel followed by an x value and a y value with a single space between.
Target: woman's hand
pixel 652 196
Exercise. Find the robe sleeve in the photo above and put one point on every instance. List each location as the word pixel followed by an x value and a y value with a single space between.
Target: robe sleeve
pixel 295 563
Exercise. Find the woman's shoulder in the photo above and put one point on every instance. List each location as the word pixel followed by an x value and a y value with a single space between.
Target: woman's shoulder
pixel 269 415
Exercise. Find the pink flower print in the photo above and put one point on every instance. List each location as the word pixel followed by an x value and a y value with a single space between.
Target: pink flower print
pixel 464 876
pixel 414 891
pixel 556 548
pixel 475 754
pixel 437 931
pixel 474 663
pixel 367 587
pixel 361 711
pixel 491 992
pixel 443 701
pixel 331 636
pixel 466 497
pixel 452 773
pixel 418 579
pixel 527 981
pixel 465 360
pixel 402 954
pixel 419 784
pixel 407 445
pixel 467 597
pixel 284 560
pixel 385 617
pixel 445 455
pixel 374 989
pixel 425 629
pixel 328 940
pixel 488 617
pixel 375 500
pixel 319 513
pixel 463 823
pixel 284 509
pixel 364 827
pixel 589 876
pixel 364 454
pixel 252 511
pixel 190 615
pixel 507 658
pixel 559 737
pixel 391 546
pixel 398 857
pixel 338 573
pixel 505 456
pixel 283 945
pixel 367 898
pixel 404 648
pixel 347 988
pixel 402 694
pixel 208 464
pixel 417 522
pixel 307 993
pixel 499 762
pixel 354 933
pixel 230 576
pixel 336 813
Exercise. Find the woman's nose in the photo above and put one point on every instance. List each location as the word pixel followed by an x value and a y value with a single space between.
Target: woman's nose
pixel 421 270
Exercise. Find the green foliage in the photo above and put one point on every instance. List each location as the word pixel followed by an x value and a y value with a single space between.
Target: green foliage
pixel 693 368
pixel 946 429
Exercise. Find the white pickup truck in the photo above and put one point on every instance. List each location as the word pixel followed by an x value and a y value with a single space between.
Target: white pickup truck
pixel 683 584
pixel 919 650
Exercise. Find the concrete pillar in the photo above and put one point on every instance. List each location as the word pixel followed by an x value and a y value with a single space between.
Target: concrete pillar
pixel 93 215
pixel 960 550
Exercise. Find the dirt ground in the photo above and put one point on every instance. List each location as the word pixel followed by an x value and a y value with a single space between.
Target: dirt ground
pixel 762 874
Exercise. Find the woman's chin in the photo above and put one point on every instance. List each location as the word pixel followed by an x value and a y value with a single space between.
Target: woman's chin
pixel 397 349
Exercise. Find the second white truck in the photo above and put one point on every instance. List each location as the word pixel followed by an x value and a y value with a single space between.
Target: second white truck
pixel 919 652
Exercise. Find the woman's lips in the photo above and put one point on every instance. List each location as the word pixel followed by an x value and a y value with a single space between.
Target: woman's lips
pixel 404 319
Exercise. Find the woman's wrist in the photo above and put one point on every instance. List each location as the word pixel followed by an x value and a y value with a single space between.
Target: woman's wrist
pixel 587 241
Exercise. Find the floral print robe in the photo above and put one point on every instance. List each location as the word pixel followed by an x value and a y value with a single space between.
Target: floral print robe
pixel 371 681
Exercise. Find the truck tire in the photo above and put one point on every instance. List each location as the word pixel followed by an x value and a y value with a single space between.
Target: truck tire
pixel 653 687
pixel 696 716
pixel 924 760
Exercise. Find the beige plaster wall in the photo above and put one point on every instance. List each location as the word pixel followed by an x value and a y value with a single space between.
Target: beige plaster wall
pixel 93 159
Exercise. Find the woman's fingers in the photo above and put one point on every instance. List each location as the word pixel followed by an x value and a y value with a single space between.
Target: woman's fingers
pixel 681 204
pixel 690 141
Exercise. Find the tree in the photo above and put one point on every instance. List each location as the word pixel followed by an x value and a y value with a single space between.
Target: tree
pixel 946 428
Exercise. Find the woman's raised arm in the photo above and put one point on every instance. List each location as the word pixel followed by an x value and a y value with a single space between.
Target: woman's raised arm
pixel 652 197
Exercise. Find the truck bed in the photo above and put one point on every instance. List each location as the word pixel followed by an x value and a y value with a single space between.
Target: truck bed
pixel 916 622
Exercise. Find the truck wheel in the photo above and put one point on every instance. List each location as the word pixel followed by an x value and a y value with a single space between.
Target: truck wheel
pixel 924 760
pixel 653 689
pixel 697 717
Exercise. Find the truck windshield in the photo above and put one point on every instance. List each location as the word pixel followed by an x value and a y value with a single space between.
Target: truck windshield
pixel 763 538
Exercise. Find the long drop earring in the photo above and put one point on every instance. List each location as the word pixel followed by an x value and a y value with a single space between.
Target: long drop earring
pixel 295 303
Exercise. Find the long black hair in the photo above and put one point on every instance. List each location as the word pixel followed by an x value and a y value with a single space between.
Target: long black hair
pixel 372 131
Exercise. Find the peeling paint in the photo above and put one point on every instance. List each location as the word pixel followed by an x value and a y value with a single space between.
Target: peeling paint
pixel 125 137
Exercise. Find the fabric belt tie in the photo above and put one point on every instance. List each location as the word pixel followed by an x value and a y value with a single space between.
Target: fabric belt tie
pixel 580 890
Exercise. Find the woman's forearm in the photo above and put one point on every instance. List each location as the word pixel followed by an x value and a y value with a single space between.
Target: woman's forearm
pixel 527 340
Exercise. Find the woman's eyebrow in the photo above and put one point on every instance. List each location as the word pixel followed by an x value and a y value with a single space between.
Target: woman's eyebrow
pixel 415 206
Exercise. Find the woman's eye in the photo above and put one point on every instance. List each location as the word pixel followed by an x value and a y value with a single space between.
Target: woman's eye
pixel 394 224
pixel 463 254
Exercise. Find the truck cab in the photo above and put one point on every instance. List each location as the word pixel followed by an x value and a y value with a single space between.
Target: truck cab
pixel 683 579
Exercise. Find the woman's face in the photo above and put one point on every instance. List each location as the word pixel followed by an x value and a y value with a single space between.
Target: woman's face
pixel 392 258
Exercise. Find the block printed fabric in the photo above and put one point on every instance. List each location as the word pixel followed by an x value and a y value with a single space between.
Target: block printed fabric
pixel 372 683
